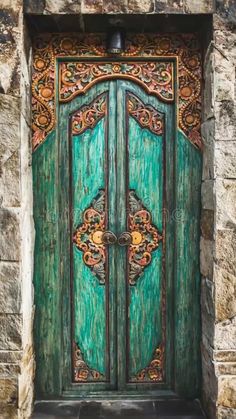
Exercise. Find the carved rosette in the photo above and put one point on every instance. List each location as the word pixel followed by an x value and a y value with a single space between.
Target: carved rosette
pixel 145 115
pixel 82 372
pixel 155 370
pixel 88 237
pixel 89 115
pixel 155 77
pixel 184 47
pixel 145 238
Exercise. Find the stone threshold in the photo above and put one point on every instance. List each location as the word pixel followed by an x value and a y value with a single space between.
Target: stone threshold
pixel 119 409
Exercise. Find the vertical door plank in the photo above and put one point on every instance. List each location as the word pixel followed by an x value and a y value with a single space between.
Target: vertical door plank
pixel 47 325
pixel 187 281
pixel 145 154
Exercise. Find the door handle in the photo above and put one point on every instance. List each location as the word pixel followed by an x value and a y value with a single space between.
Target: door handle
pixel 125 239
pixel 109 238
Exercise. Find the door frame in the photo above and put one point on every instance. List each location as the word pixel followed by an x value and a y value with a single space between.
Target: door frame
pixel 57 60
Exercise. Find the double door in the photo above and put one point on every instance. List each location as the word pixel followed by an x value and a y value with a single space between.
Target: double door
pixel 120 143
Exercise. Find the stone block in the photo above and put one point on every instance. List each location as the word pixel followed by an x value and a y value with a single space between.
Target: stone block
pixel 9 412
pixel 10 181
pixel 10 235
pixel 225 159
pixel 225 335
pixel 225 292
pixel 9 151
pixel 207 224
pixel 225 215
pixel 208 133
pixel 208 97
pixel 8 391
pixel 10 288
pixel 10 356
pixel 207 297
pixel 61 6
pixel 225 413
pixel 199 6
pixel 144 6
pixel 224 356
pixel 91 6
pixel 225 250
pixel 26 380
pixel 225 368
pixel 206 257
pixel 225 121
pixel 209 390
pixel 9 370
pixel 227 391
pixel 207 194
pixel 10 332
pixel 10 48
pixel 113 6
pixel 224 77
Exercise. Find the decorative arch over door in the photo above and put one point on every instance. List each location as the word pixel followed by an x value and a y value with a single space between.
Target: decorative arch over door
pixel 156 77
pixel 116 161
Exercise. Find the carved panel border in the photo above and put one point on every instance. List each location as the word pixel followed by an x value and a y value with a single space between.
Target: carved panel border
pixel 184 47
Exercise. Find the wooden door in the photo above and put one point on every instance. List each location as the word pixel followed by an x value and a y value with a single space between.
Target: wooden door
pixel 116 266
pixel 117 155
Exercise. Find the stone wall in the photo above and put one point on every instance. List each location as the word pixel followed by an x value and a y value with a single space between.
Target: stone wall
pixel 218 242
pixel 17 234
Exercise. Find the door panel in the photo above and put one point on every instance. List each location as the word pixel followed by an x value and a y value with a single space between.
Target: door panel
pixel 141 153
pixel 145 195
pixel 89 215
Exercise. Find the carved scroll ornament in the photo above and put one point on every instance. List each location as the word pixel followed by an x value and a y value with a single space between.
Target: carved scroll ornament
pixel 183 47
pixel 89 115
pixel 88 237
pixel 145 115
pixel 145 238
pixel 155 77
pixel 82 372
pixel 155 370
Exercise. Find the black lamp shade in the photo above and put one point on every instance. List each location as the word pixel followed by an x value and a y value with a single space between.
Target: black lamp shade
pixel 115 41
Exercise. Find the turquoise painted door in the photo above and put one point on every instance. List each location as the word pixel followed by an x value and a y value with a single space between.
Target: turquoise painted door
pixel 118 151
pixel 118 292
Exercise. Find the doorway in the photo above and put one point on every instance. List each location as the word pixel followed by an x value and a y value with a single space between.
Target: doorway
pixel 117 201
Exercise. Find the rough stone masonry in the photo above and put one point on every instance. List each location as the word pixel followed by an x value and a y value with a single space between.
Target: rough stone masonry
pixel 218 241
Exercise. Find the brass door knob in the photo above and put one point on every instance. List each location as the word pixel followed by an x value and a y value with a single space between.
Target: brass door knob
pixel 109 237
pixel 125 239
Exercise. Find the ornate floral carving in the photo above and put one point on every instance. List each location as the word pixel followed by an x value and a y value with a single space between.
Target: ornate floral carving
pixel 146 115
pixel 82 372
pixel 155 77
pixel 88 237
pixel 145 238
pixel 185 47
pixel 155 370
pixel 89 115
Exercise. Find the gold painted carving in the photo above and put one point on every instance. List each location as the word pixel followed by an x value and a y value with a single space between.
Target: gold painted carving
pixel 145 115
pixel 145 238
pixel 155 370
pixel 155 77
pixel 89 115
pixel 82 372
pixel 183 47
pixel 88 237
